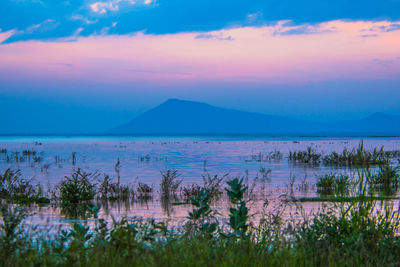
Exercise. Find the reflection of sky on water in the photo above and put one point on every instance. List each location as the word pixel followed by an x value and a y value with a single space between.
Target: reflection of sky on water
pixel 142 160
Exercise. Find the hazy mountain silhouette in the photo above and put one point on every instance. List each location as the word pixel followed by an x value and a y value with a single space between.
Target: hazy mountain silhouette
pixel 183 117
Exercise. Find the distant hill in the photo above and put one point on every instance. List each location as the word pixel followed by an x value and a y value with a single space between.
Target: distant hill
pixel 183 117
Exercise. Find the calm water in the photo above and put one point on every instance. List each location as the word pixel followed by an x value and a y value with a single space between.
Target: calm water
pixel 143 158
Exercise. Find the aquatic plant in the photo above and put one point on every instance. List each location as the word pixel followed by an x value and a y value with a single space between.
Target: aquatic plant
pixel 308 157
pixel 387 178
pixel 213 184
pixel 202 217
pixel 239 212
pixel 13 187
pixel 358 156
pixel 351 228
pixel 144 191
pixel 113 191
pixel 190 191
pixel 330 184
pixel 78 187
pixel 356 233
pixel 73 158
pixel 170 183
pixel 11 217
pixel 265 174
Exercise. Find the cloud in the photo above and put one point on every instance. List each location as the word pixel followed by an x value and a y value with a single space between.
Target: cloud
pixel 287 28
pixel 5 35
pixel 387 27
pixel 257 55
pixel 104 7
pixel 68 65
pixel 208 36
pixel 369 35
pixel 168 17
pixel 85 20
pixel 29 1
pixel 390 28
pixel 384 62
pixel 47 25
pixel 255 18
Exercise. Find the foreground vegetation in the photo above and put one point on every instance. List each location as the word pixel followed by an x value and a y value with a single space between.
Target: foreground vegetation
pixel 358 232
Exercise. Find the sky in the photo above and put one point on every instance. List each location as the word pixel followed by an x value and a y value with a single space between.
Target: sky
pixel 85 66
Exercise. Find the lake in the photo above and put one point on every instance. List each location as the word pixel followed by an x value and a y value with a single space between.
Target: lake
pixel 261 161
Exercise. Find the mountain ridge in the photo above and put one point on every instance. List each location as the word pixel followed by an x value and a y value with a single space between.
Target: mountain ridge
pixel 176 116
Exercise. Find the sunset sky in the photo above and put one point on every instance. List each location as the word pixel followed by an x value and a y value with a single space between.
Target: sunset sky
pixel 83 66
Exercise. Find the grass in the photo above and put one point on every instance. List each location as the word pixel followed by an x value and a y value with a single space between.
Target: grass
pixel 361 232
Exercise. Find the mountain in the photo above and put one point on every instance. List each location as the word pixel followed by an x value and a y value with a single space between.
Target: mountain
pixel 183 117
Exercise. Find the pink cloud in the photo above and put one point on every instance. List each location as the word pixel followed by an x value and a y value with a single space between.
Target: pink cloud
pixel 327 51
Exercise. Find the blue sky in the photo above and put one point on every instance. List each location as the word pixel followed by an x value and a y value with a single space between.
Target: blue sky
pixel 87 66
